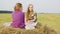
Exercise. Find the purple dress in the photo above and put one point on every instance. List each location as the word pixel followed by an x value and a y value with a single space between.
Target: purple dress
pixel 18 19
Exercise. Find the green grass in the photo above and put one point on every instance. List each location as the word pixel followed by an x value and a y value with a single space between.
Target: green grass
pixel 5 18
pixel 51 20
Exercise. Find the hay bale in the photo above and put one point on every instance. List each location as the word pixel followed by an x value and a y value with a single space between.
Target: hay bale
pixel 40 29
pixel 9 30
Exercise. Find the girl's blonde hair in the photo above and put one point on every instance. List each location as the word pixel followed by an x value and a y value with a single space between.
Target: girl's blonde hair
pixel 19 5
pixel 29 13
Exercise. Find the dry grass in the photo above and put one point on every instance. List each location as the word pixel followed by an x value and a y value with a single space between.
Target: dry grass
pixel 40 29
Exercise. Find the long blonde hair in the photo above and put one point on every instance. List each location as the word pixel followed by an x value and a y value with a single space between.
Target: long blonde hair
pixel 17 6
pixel 29 13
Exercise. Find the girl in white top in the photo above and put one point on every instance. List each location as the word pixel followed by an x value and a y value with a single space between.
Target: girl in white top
pixel 30 18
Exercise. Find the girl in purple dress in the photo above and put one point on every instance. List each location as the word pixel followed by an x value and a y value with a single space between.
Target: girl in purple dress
pixel 18 16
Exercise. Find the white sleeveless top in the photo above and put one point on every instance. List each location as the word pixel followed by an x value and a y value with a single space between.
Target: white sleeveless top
pixel 32 22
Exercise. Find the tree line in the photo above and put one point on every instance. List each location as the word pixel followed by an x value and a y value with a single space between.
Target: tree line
pixel 5 11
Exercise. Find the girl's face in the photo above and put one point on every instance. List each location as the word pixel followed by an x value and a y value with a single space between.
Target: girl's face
pixel 30 7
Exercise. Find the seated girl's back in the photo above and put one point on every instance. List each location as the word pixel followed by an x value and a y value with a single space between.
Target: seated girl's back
pixel 18 17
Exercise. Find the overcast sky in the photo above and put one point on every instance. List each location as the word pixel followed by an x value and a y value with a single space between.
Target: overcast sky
pixel 40 6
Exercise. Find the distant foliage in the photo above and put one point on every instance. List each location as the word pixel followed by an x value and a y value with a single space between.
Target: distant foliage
pixel 5 11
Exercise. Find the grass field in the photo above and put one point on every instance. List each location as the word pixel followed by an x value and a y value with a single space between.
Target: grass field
pixel 5 18
pixel 51 20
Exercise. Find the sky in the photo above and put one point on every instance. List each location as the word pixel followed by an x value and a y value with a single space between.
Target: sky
pixel 40 6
